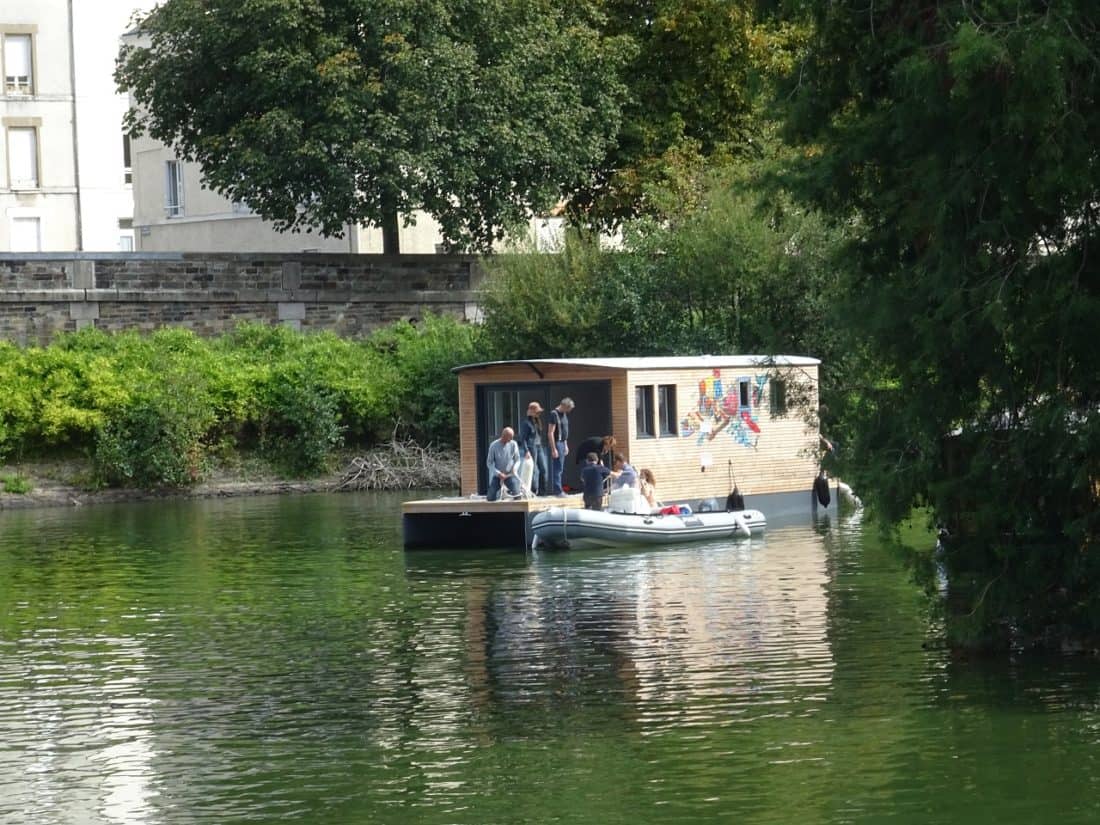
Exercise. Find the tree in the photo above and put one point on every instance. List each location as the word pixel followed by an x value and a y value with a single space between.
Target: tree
pixel 321 113
pixel 960 141
pixel 732 272
pixel 695 85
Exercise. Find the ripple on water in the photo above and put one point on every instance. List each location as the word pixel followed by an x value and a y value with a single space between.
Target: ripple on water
pixel 284 660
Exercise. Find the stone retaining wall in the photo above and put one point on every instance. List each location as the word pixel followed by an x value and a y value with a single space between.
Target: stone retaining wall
pixel 42 294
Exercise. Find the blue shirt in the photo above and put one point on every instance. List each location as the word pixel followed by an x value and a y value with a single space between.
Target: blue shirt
pixel 627 478
pixel 502 457
pixel 530 437
pixel 592 476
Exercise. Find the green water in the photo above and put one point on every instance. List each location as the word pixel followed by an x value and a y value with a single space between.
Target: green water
pixel 283 660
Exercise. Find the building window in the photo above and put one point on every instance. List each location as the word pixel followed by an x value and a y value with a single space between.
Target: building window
pixel 23 157
pixel 26 234
pixel 127 163
pixel 744 393
pixel 778 397
pixel 18 71
pixel 643 411
pixel 666 408
pixel 173 188
pixel 125 234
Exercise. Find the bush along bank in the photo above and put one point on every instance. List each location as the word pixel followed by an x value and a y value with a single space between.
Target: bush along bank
pixel 151 411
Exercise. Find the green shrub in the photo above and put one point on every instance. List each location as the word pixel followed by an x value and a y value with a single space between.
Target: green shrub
pixel 424 390
pixel 15 484
pixel 157 440
pixel 301 425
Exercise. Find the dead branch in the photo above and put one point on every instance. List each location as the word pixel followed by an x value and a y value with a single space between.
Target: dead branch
pixel 401 465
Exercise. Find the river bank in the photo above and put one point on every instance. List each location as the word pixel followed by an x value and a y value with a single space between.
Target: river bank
pixel 69 482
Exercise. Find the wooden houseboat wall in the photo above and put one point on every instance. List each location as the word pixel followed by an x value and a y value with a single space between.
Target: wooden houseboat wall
pixel 726 417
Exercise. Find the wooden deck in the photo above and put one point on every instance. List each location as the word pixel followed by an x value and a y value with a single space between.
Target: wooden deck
pixel 474 522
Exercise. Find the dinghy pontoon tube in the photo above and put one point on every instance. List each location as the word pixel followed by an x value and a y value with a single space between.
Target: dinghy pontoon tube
pixel 594 528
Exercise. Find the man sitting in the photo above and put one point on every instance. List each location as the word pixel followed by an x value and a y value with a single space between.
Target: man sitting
pixel 502 461
pixel 623 474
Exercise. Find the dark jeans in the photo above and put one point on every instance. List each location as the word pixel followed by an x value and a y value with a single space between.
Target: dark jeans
pixel 557 467
pixel 593 502
pixel 512 483
pixel 540 479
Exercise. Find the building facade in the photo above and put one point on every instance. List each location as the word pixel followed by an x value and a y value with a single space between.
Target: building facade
pixel 64 177
pixel 174 212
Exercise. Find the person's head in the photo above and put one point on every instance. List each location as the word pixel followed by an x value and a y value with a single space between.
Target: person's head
pixel 534 409
pixel 647 476
pixel 507 434
pixel 566 404
pixel 592 458
pixel 617 461
pixel 609 443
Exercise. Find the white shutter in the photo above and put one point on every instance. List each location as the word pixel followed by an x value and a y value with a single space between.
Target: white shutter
pixel 17 64
pixel 26 235
pixel 23 157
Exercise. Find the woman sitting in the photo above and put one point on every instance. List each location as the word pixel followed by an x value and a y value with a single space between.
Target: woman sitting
pixel 647 485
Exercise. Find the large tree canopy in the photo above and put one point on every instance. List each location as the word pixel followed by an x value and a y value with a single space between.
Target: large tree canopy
pixel 321 113
pixel 960 140
pixel 694 98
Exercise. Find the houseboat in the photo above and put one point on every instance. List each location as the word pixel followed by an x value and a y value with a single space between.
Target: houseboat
pixel 702 424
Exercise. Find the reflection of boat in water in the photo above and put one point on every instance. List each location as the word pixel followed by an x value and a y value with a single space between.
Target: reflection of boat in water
pixel 560 527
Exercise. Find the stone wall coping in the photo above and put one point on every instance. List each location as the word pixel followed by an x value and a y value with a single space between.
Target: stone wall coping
pixel 235 296
pixel 361 259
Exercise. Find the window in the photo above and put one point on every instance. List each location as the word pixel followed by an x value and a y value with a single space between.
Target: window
pixel 173 189
pixel 502 411
pixel 666 408
pixel 127 163
pixel 26 234
pixel 778 397
pixel 643 411
pixel 125 234
pixel 744 393
pixel 23 157
pixel 18 74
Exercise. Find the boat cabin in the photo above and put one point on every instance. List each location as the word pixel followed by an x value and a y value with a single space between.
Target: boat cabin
pixel 701 424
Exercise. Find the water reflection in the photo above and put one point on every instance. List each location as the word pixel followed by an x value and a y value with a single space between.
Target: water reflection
pixel 659 638
pixel 284 660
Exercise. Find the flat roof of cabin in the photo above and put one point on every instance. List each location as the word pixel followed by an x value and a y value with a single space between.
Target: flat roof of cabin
pixel 672 362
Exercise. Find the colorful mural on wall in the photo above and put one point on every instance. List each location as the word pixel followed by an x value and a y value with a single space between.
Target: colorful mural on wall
pixel 726 407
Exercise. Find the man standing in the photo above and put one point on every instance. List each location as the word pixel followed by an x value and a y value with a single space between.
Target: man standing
pixel 557 433
pixel 502 461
